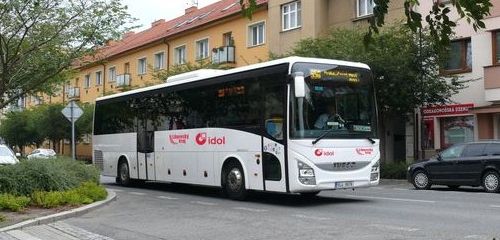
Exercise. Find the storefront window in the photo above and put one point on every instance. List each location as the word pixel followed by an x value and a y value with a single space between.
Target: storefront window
pixel 428 133
pixel 456 130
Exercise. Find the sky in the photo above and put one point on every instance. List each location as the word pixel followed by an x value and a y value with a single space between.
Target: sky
pixel 148 11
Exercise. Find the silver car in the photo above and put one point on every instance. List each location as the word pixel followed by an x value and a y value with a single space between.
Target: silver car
pixel 7 156
pixel 42 153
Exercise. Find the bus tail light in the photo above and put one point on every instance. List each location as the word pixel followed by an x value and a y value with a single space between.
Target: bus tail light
pixel 306 174
pixel 375 171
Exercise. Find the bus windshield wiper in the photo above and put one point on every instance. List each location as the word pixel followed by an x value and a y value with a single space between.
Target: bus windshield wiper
pixel 322 135
pixel 371 140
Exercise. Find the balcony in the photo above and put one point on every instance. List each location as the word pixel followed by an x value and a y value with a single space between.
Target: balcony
pixel 74 93
pixel 123 80
pixel 492 83
pixel 223 54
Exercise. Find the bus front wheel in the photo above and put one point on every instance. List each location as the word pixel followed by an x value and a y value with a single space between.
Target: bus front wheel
pixel 234 181
pixel 123 177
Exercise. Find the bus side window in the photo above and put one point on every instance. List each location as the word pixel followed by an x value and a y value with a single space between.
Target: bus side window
pixel 273 92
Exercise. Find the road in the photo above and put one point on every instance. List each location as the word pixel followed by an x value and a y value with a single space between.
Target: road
pixel 392 210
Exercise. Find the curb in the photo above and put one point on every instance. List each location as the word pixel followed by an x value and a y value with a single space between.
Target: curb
pixel 62 215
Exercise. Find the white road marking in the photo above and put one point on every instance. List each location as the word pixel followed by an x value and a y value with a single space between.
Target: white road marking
pixel 495 206
pixel 116 190
pixel 167 197
pixel 250 209
pixel 137 193
pixel 204 203
pixel 392 227
pixel 474 237
pixel 400 189
pixel 392 199
pixel 311 217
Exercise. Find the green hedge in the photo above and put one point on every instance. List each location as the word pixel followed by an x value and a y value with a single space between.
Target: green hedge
pixel 2 218
pixel 58 174
pixel 86 193
pixel 393 170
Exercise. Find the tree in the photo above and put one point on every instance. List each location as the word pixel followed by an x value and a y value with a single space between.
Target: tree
pixel 15 129
pixel 40 40
pixel 438 20
pixel 405 68
pixel 52 124
pixel 84 124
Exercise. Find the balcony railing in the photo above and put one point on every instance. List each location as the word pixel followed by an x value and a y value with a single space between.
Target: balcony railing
pixel 73 92
pixel 123 80
pixel 223 54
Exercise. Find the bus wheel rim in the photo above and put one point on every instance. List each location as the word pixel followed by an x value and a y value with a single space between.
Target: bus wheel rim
pixel 123 172
pixel 491 182
pixel 235 179
pixel 421 180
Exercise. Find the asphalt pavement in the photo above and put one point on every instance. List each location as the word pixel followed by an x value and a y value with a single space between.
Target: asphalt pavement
pixel 393 210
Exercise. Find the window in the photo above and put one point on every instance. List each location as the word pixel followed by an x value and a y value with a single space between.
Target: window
pixel 98 78
pixel 159 60
pixel 365 7
pixel 112 74
pixel 202 49
pixel 291 16
pixel 180 55
pixel 256 34
pixel 474 150
pixel 227 39
pixel 456 130
pixel 452 152
pixel 496 47
pixel 86 83
pixel 126 68
pixel 141 66
pixel 492 149
pixel 459 56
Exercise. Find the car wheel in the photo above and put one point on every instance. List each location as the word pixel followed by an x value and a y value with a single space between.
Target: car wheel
pixel 421 180
pixel 309 194
pixel 453 187
pixel 123 177
pixel 234 181
pixel 491 181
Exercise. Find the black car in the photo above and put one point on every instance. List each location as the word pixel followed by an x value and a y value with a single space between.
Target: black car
pixel 466 164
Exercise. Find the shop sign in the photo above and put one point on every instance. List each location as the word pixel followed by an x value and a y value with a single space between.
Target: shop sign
pixel 447 109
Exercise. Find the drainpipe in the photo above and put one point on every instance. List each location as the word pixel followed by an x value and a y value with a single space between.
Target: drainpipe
pixel 104 79
pixel 168 53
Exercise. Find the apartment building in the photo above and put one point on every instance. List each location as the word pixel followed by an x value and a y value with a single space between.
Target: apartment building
pixel 474 113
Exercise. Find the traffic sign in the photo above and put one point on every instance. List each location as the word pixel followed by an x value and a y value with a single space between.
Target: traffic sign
pixel 72 115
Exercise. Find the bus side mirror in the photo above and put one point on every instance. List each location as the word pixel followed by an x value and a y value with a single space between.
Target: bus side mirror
pixel 299 84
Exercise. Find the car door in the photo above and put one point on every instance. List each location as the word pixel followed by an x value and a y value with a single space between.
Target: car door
pixel 492 159
pixel 469 166
pixel 441 169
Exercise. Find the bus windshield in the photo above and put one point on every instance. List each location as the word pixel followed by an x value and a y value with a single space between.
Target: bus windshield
pixel 339 101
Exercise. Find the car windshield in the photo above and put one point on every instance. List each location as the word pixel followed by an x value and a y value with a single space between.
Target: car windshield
pixel 5 152
pixel 452 152
pixel 338 99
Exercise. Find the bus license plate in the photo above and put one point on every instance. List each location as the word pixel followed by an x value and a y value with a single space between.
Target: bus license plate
pixel 343 184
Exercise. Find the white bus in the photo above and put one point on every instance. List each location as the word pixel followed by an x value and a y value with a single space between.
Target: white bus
pixel 294 125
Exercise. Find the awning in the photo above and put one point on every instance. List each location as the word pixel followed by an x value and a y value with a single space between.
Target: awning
pixel 495 108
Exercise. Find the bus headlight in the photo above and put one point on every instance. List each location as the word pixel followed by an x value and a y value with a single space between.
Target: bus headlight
pixel 375 171
pixel 306 174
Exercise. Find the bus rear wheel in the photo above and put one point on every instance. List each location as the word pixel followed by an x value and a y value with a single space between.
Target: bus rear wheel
pixel 234 181
pixel 123 177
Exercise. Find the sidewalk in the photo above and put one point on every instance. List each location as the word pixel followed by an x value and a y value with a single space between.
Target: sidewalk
pixel 51 231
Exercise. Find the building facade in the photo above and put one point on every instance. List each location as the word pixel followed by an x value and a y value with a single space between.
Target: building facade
pixel 474 113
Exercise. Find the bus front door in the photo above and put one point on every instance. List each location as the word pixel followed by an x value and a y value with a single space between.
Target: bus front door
pixel 145 150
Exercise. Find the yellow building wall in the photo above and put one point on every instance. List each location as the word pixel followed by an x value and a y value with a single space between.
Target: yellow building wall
pixel 244 55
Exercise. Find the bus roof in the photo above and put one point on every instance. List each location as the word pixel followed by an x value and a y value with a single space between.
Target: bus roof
pixel 290 60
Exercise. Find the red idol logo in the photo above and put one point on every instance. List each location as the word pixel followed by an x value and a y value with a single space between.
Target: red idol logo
pixel 202 139
pixel 178 138
pixel 320 152
pixel 364 151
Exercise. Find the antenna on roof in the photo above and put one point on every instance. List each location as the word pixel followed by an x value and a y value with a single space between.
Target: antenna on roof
pixel 192 3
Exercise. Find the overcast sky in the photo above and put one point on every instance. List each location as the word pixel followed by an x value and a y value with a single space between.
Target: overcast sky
pixel 147 11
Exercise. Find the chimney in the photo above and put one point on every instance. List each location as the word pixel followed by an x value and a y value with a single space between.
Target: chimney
pixel 128 34
pixel 157 22
pixel 190 10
